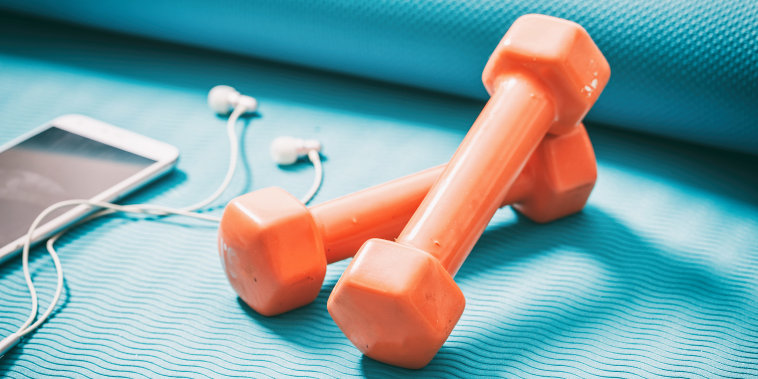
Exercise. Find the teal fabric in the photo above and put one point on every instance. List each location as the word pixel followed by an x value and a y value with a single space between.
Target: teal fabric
pixel 657 277
pixel 681 68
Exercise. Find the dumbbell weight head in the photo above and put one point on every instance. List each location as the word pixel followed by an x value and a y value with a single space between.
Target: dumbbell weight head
pixel 407 300
pixel 564 171
pixel 560 53
pixel 272 251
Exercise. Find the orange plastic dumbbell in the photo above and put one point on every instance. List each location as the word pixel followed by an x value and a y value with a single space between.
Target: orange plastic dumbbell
pixel 275 250
pixel 397 301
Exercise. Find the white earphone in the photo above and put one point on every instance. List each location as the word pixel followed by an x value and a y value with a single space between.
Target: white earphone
pixel 286 150
pixel 223 100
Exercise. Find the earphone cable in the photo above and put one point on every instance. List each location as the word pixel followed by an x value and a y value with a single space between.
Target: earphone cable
pixel 107 208
pixel 315 158
pixel 28 326
pixel 233 157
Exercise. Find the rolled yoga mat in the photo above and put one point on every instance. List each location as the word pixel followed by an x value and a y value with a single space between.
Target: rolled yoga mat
pixel 683 69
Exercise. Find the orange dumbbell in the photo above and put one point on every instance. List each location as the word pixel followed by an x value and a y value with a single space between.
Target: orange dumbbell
pixel 397 301
pixel 275 250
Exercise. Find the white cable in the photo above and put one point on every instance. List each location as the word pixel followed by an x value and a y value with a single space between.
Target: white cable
pixel 108 208
pixel 233 156
pixel 315 158
pixel 27 327
pixel 141 208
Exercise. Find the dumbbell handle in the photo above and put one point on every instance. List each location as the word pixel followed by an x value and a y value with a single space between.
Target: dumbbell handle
pixel 382 211
pixel 452 217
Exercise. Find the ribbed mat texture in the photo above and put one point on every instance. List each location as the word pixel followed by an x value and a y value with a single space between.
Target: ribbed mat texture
pixel 681 68
pixel 658 277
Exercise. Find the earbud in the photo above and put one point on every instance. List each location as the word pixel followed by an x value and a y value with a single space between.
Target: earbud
pixel 223 99
pixel 286 150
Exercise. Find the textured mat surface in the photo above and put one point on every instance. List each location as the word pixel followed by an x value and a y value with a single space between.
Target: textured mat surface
pixel 681 68
pixel 658 277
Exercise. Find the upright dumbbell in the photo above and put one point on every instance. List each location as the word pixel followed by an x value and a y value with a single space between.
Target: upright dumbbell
pixel 397 302
pixel 275 250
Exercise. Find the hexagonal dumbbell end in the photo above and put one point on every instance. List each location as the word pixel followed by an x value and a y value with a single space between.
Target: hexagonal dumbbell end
pixel 396 303
pixel 563 172
pixel 560 53
pixel 271 251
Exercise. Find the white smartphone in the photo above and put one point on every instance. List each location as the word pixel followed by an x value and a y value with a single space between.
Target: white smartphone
pixel 71 157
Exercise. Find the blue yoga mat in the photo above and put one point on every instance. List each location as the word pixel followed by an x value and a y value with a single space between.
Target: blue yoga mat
pixel 681 68
pixel 658 277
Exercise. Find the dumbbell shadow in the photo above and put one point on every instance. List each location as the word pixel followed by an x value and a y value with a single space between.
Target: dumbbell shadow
pixel 302 164
pixel 637 270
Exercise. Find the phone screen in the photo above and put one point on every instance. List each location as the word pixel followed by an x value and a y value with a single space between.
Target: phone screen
pixel 52 166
